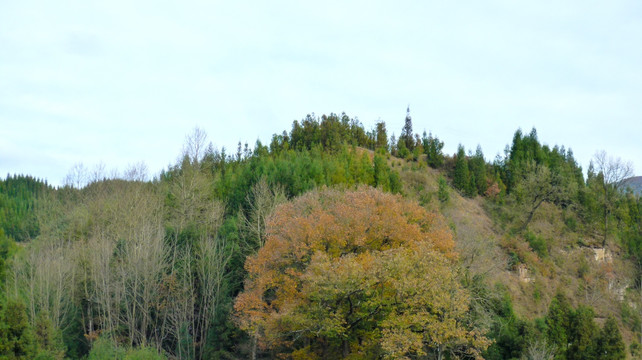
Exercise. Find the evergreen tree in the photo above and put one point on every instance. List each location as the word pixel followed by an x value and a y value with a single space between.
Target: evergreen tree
pixel 433 150
pixel 16 338
pixel 558 324
pixel 609 344
pixel 583 335
pixel 382 136
pixel 442 193
pixel 461 176
pixel 477 166
pixel 407 136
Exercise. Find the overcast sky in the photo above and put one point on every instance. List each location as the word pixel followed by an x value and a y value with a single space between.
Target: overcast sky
pixel 120 82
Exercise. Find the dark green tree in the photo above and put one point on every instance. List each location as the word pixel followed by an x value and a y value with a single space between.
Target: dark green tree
pixel 558 324
pixel 583 335
pixel 16 337
pixel 433 150
pixel 461 176
pixel 609 343
pixel 382 136
pixel 477 166
pixel 407 136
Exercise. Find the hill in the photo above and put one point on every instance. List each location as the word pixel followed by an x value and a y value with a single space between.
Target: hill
pixel 635 184
pixel 543 260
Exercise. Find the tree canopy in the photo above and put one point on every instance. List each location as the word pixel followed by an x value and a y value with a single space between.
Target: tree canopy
pixel 359 272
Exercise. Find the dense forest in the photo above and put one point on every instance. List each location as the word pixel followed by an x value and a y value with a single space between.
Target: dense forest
pixel 330 242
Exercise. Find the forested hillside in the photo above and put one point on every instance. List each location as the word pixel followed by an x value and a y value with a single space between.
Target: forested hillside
pixel 330 242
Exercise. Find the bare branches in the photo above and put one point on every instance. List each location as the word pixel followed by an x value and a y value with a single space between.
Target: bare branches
pixel 194 146
pixel 613 170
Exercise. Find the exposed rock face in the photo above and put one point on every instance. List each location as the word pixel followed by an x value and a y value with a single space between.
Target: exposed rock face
pixel 522 272
pixel 602 255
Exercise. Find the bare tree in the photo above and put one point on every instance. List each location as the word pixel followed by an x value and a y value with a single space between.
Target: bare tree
pixel 262 199
pixel 611 173
pixel 539 350
pixel 136 172
pixel 194 146
pixel 77 177
pixel 47 279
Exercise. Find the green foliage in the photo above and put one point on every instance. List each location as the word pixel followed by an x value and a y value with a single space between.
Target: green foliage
pixel 537 243
pixel 558 323
pixel 144 353
pixel 635 349
pixel 463 180
pixel 18 196
pixel 432 147
pixel 510 334
pixel 16 336
pixel 477 166
pixel 406 139
pixel 105 349
pixel 443 193
pixel 609 344
pixel 7 249
pixel 49 340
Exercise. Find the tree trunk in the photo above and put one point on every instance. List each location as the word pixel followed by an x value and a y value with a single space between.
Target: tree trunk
pixel 606 227
pixel 346 348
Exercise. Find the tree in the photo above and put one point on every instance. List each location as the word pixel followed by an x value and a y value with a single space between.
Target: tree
pixel 433 150
pixel 477 166
pixel 262 199
pixel 16 336
pixel 407 136
pixel 461 177
pixel 583 334
pixel 358 273
pixel 609 343
pixel 611 173
pixel 382 136
pixel 558 324
pixel 540 185
pixel 539 350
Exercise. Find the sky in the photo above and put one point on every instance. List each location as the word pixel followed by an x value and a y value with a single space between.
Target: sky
pixel 120 82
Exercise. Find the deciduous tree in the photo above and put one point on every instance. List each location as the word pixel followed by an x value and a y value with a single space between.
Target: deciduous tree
pixel 361 273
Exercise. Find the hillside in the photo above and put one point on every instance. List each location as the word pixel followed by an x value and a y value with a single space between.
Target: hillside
pixel 635 184
pixel 331 242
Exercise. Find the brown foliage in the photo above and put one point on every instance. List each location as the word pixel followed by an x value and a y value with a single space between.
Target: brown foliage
pixel 342 268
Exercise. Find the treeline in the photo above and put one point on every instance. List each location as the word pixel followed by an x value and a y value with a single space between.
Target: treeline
pixel 18 195
pixel 564 333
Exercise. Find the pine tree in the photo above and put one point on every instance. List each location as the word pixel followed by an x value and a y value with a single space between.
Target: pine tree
pixel 407 136
pixel 609 344
pixel 433 150
pixel 477 166
pixel 583 334
pixel 461 176
pixel 382 136
pixel 558 321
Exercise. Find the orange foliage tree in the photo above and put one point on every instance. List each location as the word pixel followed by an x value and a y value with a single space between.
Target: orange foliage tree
pixel 356 274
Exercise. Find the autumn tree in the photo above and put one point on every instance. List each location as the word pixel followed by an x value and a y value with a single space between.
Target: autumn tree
pixel 356 273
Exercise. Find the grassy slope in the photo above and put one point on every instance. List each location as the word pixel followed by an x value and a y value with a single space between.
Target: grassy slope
pixel 487 244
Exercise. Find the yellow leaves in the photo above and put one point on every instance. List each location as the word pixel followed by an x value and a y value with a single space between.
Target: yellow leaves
pixel 354 271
